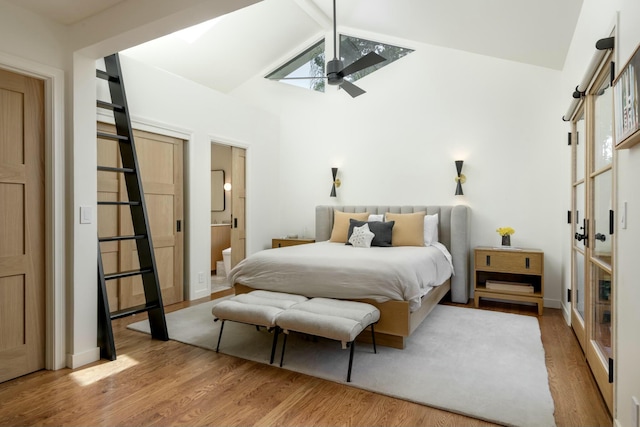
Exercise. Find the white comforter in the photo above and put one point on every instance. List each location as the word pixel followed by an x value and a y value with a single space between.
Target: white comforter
pixel 336 270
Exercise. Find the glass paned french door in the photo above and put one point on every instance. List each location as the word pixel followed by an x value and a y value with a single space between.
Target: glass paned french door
pixel 593 290
pixel 600 288
pixel 579 234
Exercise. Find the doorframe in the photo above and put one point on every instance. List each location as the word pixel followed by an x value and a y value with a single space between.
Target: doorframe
pixel 55 239
pixel 230 142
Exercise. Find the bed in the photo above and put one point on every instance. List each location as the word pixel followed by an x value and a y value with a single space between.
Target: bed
pixel 404 282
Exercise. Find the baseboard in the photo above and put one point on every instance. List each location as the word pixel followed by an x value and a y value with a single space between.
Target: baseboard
pixel 200 293
pixel 552 303
pixel 80 359
pixel 566 312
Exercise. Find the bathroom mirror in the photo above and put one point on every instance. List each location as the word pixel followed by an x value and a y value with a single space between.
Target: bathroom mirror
pixel 217 191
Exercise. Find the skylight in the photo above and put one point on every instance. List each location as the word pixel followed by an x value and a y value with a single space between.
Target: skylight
pixel 307 69
pixel 353 48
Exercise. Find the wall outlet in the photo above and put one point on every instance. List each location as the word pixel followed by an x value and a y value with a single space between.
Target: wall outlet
pixel 635 412
pixel 201 277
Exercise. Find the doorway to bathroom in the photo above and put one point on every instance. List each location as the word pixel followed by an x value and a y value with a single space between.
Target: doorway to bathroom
pixel 227 211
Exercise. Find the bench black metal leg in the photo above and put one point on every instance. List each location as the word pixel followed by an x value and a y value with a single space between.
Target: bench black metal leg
pixel 220 336
pixel 353 345
pixel 373 339
pixel 273 346
pixel 284 344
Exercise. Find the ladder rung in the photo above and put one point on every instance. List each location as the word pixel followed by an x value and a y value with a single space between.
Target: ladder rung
pixel 134 310
pixel 123 274
pixel 120 238
pixel 109 106
pixel 107 202
pixel 106 135
pixel 106 76
pixel 112 169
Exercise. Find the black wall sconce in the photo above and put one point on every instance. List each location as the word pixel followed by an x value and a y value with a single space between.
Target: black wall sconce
pixel 336 182
pixel 460 179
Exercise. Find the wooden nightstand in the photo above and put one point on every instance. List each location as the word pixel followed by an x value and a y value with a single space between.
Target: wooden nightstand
pixel 509 274
pixel 281 243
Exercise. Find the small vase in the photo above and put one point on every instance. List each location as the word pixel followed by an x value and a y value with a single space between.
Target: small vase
pixel 506 240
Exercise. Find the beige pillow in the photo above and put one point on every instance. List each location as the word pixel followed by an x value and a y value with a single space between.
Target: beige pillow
pixel 341 224
pixel 408 229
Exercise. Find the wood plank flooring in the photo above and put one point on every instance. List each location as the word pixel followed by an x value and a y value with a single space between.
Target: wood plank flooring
pixel 169 383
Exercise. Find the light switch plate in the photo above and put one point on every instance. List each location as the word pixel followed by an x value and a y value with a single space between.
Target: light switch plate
pixel 86 215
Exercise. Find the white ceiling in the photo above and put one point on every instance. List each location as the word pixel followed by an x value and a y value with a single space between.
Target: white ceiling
pixel 66 12
pixel 254 40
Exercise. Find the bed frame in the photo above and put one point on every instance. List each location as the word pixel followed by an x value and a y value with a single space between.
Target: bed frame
pixel 396 321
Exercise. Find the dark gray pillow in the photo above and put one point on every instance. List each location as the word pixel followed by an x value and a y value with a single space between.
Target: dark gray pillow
pixel 381 231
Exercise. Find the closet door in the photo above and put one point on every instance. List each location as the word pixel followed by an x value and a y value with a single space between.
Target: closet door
pixel 22 225
pixel 161 166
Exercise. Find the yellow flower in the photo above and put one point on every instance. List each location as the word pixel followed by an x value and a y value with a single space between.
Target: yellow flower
pixel 505 231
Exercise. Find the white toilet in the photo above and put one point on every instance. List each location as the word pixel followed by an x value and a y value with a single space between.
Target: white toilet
pixel 226 258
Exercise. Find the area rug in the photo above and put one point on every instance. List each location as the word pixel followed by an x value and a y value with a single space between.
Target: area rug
pixel 484 364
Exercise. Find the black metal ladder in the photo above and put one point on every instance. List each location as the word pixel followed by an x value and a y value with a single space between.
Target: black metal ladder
pixel 141 235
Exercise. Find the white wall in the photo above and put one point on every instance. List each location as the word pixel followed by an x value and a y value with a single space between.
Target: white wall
pixel 33 37
pixel 397 144
pixel 30 42
pixel 156 96
pixel 595 22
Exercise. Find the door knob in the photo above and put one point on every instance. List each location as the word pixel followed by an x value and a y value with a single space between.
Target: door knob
pixel 579 236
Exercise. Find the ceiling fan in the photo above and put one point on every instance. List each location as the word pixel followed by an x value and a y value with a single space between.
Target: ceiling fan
pixel 336 71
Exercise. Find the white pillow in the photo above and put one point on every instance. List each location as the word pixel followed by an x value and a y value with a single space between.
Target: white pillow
pixel 361 237
pixel 379 218
pixel 430 229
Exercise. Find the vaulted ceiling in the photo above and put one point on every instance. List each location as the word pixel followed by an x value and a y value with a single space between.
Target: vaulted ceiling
pixel 254 40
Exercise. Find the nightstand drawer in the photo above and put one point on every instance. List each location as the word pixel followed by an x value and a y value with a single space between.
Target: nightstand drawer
pixel 511 261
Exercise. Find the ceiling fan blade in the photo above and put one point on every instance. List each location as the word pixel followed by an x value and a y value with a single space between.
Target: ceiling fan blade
pixel 298 78
pixel 351 89
pixel 368 60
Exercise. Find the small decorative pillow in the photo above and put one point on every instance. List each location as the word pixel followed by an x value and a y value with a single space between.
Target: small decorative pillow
pixel 361 237
pixel 381 230
pixel 376 218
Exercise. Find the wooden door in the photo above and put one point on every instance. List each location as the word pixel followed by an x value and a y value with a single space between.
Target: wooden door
pixel 22 253
pixel 160 159
pixel 108 216
pixel 238 205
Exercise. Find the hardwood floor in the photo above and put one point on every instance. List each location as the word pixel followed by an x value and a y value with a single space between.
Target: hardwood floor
pixel 169 383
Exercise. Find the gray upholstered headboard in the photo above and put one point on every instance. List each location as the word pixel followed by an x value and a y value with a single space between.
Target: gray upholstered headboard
pixel 453 232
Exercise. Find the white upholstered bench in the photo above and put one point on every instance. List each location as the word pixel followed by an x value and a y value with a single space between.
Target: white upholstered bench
pixel 329 318
pixel 259 308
